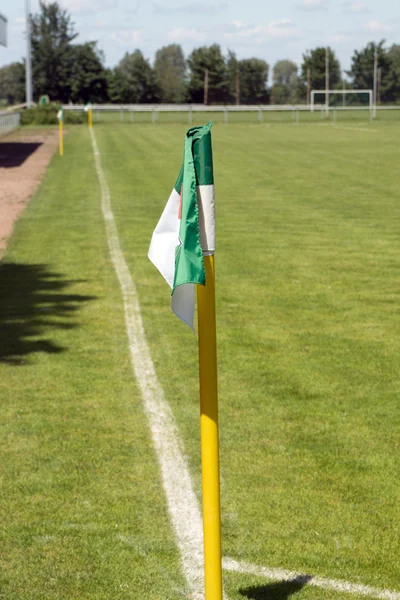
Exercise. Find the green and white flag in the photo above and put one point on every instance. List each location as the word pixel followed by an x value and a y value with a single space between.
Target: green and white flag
pixel 186 228
pixel 87 106
pixel 60 114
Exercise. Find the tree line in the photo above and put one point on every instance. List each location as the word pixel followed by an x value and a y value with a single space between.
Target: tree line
pixel 71 72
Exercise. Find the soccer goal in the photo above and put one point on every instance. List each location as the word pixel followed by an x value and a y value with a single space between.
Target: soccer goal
pixel 341 99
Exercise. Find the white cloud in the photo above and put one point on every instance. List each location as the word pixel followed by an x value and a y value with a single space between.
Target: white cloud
pixel 128 38
pixel 355 7
pixel 180 34
pixel 87 7
pixel 283 29
pixel 194 8
pixel 377 26
pixel 338 38
pixel 313 4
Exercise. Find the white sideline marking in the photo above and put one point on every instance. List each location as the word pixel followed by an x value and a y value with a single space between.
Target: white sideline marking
pixel 354 128
pixel 181 499
pixel 328 584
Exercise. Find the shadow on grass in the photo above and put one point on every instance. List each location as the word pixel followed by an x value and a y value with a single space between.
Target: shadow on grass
pixel 33 302
pixel 276 591
pixel 13 154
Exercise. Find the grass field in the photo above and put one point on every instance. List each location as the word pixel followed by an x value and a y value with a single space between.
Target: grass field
pixel 383 117
pixel 308 290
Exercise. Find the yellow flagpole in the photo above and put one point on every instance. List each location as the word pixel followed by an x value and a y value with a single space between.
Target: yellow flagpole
pixel 209 433
pixel 90 117
pixel 60 137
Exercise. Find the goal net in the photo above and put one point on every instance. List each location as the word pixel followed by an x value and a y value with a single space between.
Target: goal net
pixel 341 98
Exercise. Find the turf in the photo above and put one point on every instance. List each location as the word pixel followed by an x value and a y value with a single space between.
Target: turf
pixel 82 508
pixel 308 286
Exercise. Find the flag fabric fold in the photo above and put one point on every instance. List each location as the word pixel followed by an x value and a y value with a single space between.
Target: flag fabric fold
pixel 60 114
pixel 186 228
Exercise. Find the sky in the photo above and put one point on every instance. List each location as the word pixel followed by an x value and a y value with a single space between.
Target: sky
pixel 271 30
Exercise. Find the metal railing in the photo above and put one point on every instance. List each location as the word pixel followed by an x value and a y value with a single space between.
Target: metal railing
pixel 227 113
pixel 9 121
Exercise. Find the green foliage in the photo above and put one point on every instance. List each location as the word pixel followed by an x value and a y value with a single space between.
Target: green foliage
pixel 140 85
pixel 388 62
pixel 361 72
pixel 253 81
pixel 285 82
pixel 46 114
pixel 208 59
pixel 392 78
pixel 12 83
pixel 315 61
pixel 52 34
pixel 88 79
pixel 170 73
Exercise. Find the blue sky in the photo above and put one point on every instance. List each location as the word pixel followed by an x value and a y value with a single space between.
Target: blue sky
pixel 262 28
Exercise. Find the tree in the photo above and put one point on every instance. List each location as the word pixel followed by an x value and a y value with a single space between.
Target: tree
pixel 253 74
pixel 361 72
pixel 52 34
pixel 232 68
pixel 208 59
pixel 393 77
pixel 315 61
pixel 118 89
pixel 86 74
pixel 285 82
pixel 170 73
pixel 12 84
pixel 139 78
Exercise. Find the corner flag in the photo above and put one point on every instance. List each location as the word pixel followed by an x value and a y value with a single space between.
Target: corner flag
pixel 182 248
pixel 186 228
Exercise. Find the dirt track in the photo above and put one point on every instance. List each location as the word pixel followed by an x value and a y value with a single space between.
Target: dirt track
pixel 24 157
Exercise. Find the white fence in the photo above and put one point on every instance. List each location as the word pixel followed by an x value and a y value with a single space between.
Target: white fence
pixel 232 113
pixel 9 121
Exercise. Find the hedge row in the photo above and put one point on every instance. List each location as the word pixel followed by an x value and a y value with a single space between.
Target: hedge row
pixel 46 114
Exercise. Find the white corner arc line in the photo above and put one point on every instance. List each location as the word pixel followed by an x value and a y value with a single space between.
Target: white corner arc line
pixel 182 502
pixel 335 585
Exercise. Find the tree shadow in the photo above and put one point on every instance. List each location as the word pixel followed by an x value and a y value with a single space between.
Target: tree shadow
pixel 276 591
pixel 13 154
pixel 33 302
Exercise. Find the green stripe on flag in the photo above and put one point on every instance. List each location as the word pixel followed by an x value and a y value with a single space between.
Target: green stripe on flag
pixel 202 154
pixel 197 170
pixel 178 183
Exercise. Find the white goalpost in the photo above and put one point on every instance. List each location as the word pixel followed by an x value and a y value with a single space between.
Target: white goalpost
pixel 343 93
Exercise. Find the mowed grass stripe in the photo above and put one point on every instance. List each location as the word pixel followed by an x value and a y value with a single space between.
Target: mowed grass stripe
pixel 182 503
pixel 307 290
pixel 82 509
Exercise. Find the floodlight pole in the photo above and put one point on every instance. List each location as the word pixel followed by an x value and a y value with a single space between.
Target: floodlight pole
pixel 237 87
pixel 206 86
pixel 375 79
pixel 327 80
pixel 28 62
